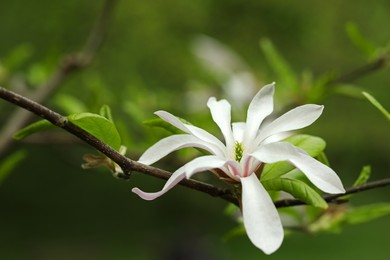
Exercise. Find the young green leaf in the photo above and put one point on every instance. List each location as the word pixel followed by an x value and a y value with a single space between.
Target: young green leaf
pixel 10 162
pixel 364 176
pixel 158 122
pixel 279 65
pixel 38 126
pixel 69 104
pixel 367 213
pixel 105 111
pixel 348 90
pixel 322 158
pixel 298 189
pixel 333 221
pixel 234 232
pixel 98 126
pixel 275 170
pixel 377 105
pixel 361 42
pixel 313 145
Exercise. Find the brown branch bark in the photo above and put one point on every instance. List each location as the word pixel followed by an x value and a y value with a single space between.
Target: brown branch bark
pixel 125 163
pixel 337 197
pixel 379 63
pixel 129 165
pixel 70 64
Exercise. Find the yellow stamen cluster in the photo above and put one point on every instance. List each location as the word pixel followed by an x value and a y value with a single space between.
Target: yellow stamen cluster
pixel 238 151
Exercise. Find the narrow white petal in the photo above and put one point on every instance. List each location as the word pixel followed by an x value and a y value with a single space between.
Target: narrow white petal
pixel 319 174
pixel 294 119
pixel 261 219
pixel 206 136
pixel 261 106
pixel 221 114
pixel 172 143
pixel 173 120
pixel 190 129
pixel 203 163
pixel 238 131
pixel 176 177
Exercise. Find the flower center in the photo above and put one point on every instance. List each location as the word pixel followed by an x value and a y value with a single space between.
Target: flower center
pixel 238 151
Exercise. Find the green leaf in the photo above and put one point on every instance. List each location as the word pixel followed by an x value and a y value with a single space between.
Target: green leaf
pixel 98 126
pixel 377 105
pixel 105 111
pixel 38 126
pixel 279 65
pixel 334 221
pixel 364 176
pixel 348 90
pixel 361 42
pixel 69 104
pixel 313 145
pixel 37 74
pixel 10 162
pixel 322 158
pixel 275 170
pixel 158 122
pixel 298 189
pixel 17 56
pixel 234 232
pixel 367 213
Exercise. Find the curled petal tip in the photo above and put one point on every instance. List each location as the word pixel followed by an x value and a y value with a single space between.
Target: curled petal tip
pixel 142 194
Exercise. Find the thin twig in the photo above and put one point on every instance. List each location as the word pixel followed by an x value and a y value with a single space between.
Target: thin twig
pixel 129 165
pixel 70 64
pixel 336 197
pixel 379 63
pixel 125 163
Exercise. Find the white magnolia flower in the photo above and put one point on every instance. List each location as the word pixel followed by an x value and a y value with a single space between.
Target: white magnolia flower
pixel 246 148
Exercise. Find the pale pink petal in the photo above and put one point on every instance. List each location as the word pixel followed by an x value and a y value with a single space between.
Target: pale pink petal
pixel 176 177
pixel 172 143
pixel 261 219
pixel 319 174
pixel 190 129
pixel 203 163
pixel 221 114
pixel 235 169
pixel 261 106
pixel 249 164
pixel 294 119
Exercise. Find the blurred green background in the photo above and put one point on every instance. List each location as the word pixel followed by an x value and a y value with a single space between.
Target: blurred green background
pixel 52 209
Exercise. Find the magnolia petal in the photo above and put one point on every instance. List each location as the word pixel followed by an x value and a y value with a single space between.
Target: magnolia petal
pixel 261 219
pixel 190 129
pixel 319 174
pixel 260 107
pixel 238 131
pixel 234 169
pixel 175 178
pixel 294 119
pixel 172 143
pixel 221 114
pixel 203 163
pixel 249 164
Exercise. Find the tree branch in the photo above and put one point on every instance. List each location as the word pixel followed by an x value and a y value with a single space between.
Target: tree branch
pixel 125 163
pixel 70 64
pixel 379 63
pixel 129 165
pixel 335 197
